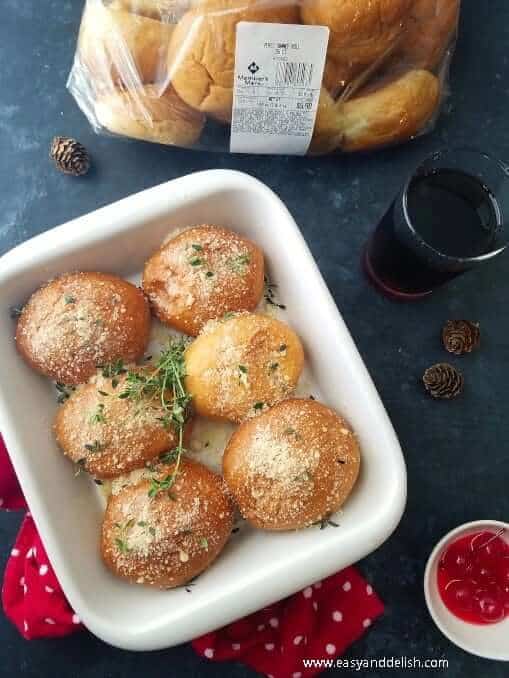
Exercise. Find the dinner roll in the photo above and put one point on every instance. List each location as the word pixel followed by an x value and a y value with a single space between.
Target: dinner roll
pixel 202 49
pixel 167 539
pixel 394 112
pixel 240 366
pixel 107 435
pixel 148 114
pixel 428 34
pixel 81 320
pixel 361 33
pixel 118 48
pixel 201 274
pixel 292 466
pixel 379 115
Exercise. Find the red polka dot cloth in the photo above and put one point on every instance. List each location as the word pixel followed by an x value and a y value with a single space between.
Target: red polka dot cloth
pixel 31 595
pixel 319 622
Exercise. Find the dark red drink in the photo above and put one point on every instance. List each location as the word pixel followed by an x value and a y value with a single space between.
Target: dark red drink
pixel 445 221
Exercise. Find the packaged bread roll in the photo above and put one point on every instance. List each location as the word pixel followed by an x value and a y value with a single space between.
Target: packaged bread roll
pixel 429 32
pixel 165 71
pixel 377 117
pixel 145 114
pixel 202 49
pixel 119 48
pixel 361 33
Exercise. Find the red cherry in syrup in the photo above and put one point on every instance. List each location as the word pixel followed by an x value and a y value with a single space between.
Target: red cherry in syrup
pixel 488 604
pixel 488 546
pixel 457 561
pixel 483 572
pixel 459 595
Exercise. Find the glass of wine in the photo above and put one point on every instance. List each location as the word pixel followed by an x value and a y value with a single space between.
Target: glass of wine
pixel 450 216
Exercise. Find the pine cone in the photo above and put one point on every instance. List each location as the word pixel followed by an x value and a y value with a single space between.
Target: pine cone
pixel 443 381
pixel 461 336
pixel 70 156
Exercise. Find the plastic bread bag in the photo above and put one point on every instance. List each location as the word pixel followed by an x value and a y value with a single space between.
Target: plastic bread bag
pixel 265 76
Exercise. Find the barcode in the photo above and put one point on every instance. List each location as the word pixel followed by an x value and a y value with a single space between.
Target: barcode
pixel 294 73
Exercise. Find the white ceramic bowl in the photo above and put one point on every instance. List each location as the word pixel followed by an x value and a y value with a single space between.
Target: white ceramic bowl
pixel 491 640
pixel 256 568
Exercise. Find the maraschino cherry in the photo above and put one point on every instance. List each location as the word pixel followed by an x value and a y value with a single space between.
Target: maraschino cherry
pixel 473 577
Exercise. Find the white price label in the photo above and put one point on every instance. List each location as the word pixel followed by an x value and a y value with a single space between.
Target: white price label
pixel 278 75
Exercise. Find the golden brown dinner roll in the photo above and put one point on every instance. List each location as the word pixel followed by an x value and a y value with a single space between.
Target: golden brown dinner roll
pixel 429 32
pixel 146 113
pixel 202 49
pixel 242 365
pixel 382 114
pixel 167 539
pixel 81 320
pixel 292 466
pixel 201 274
pixel 107 435
pixel 361 33
pixel 394 112
pixel 119 48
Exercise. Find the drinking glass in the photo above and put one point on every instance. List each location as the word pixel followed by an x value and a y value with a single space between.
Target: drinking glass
pixel 450 216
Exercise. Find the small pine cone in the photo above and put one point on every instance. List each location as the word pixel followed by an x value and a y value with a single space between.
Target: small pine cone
pixel 461 336
pixel 443 381
pixel 70 156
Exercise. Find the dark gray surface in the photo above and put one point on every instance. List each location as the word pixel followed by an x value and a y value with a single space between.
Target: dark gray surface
pixel 456 452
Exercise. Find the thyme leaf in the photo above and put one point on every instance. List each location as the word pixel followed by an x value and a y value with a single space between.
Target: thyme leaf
pixel 165 384
pixel 113 369
pixel 94 447
pixel 63 392
pixel 98 416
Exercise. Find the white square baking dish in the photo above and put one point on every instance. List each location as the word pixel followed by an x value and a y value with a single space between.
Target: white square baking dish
pixel 256 568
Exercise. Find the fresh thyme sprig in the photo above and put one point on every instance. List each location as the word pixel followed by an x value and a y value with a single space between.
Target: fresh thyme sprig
pixel 80 466
pixel 15 311
pixel 94 447
pixel 270 295
pixel 63 392
pixel 113 369
pixel 168 457
pixel 121 540
pixel 164 383
pixel 98 417
pixel 326 522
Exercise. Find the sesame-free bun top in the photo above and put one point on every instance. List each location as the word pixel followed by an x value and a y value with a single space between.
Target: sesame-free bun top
pixel 240 366
pixel 108 435
pixel 361 33
pixel 167 539
pixel 428 33
pixel 79 321
pixel 201 274
pixel 120 48
pixel 202 49
pixel 292 466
